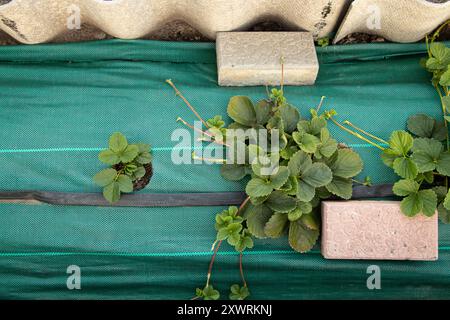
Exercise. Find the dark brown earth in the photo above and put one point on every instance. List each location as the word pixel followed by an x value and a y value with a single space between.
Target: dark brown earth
pixel 361 38
pixel 142 182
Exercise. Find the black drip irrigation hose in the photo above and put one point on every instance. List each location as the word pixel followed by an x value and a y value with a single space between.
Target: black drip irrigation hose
pixel 163 199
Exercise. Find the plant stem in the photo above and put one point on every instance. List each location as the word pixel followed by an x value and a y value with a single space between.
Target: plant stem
pixel 202 132
pixel 365 132
pixel 178 93
pixel 320 103
pixel 194 128
pixel 436 33
pixel 241 270
pixel 211 263
pixel 195 157
pixel 357 135
pixel 359 182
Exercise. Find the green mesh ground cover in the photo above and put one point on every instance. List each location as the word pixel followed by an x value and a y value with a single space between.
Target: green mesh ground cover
pixel 59 104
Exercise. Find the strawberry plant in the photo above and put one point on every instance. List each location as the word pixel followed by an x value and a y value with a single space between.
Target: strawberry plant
pixel 421 157
pixel 130 169
pixel 284 185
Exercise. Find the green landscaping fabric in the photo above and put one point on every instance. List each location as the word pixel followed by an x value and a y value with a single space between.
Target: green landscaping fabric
pixel 60 103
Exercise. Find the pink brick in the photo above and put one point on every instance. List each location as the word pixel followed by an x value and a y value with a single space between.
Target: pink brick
pixel 376 230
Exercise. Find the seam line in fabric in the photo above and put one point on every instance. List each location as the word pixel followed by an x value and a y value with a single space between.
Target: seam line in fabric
pixel 161 254
pixel 162 149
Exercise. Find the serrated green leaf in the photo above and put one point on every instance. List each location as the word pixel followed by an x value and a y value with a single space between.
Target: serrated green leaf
pixel 117 142
pixel 112 192
pixel 439 131
pixel 405 187
pixel 215 122
pixel 258 200
pixel 443 163
pixel 347 164
pixel 429 200
pixel 241 110
pixel 140 172
pixel 440 52
pixel 209 293
pixel 276 122
pixel 262 112
pixel 143 147
pixel 125 183
pixel 401 142
pixel 105 177
pixel 342 187
pixel 238 293
pixel 233 172
pixel 299 162
pixel 328 145
pixel 278 179
pixel 305 191
pixel 310 221
pixel 445 79
pixel 444 214
pixel 317 175
pixel 288 152
pixel 290 117
pixel 257 218
pixel 423 161
pixel 144 157
pixel 447 201
pixel 281 202
pixel 244 241
pixel 317 124
pixel 388 157
pixel 307 142
pixel 295 214
pixel 304 126
pixel 405 168
pixel 274 228
pixel 433 64
pixel 301 238
pixel 291 186
pixel 411 205
pixel 305 207
pixel 437 50
pixel 258 187
pixel 128 155
pixel 421 125
pixel 108 157
pixel 428 146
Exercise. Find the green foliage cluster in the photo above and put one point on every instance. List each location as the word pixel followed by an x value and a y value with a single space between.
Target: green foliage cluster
pixel 323 42
pixel 423 163
pixel 127 165
pixel 438 63
pixel 285 184
pixel 237 292
pixel 230 227
pixel 310 167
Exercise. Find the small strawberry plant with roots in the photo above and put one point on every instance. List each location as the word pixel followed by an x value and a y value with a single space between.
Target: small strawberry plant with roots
pixel 421 156
pixel 131 168
pixel 284 185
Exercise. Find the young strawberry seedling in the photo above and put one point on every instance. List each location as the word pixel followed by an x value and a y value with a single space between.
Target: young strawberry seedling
pixel 131 167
